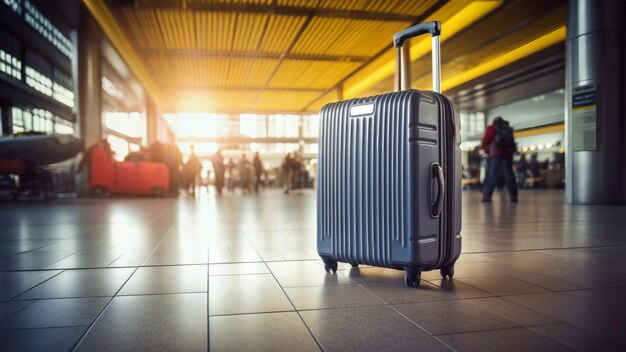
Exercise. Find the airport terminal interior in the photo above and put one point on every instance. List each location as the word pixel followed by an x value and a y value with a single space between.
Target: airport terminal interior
pixel 167 179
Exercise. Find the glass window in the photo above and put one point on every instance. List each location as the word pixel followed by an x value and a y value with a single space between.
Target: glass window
pixel 310 126
pixel 119 146
pixel 131 124
pixel 15 5
pixel 10 65
pixel 283 126
pixel 62 126
pixel 252 125
pixel 42 25
pixel 38 81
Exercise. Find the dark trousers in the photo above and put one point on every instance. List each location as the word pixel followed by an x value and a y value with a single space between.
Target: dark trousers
pixel 497 165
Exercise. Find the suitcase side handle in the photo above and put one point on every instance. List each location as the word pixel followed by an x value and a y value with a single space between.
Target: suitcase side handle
pixel 403 60
pixel 438 206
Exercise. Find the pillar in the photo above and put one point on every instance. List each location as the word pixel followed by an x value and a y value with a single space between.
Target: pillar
pixel 89 88
pixel 152 116
pixel 596 102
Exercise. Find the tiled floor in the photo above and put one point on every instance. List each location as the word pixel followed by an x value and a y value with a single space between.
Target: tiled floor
pixel 241 273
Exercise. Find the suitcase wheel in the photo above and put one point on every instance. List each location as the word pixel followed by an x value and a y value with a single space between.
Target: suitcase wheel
pixel 354 265
pixel 447 272
pixel 412 278
pixel 330 265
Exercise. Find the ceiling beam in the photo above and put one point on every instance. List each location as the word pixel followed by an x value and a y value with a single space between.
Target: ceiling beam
pixel 251 55
pixel 265 9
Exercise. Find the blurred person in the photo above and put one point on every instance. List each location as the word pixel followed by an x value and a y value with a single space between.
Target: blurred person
pixel 287 165
pixel 231 167
pixel 174 162
pixel 191 171
pixel 141 155
pixel 499 144
pixel 521 168
pixel 243 167
pixel 534 166
pixel 257 165
pixel 296 169
pixel 217 160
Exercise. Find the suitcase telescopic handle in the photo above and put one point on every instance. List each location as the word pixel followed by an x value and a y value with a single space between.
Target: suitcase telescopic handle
pixel 438 206
pixel 403 60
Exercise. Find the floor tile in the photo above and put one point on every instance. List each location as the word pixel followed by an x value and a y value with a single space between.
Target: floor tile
pixel 32 260
pixel 48 340
pixel 14 283
pixel 81 283
pixel 518 339
pixel 502 285
pixel 336 296
pixel 148 323
pixel 611 298
pixel 545 281
pixel 238 269
pixel 57 313
pixel 239 294
pixel 306 273
pixel 234 257
pixel 129 259
pixel 167 279
pixel 577 338
pixel 453 316
pixel 459 290
pixel 376 328
pixel 515 312
pixel 84 260
pixel 373 274
pixel 396 291
pixel 260 332
pixel 579 312
pixel 179 259
pixel 7 309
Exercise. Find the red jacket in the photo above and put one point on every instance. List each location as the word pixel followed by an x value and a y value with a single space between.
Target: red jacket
pixel 489 146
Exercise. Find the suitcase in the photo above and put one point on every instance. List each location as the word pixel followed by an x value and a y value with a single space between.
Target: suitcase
pixel 389 176
pixel 108 176
pixel 102 171
pixel 141 178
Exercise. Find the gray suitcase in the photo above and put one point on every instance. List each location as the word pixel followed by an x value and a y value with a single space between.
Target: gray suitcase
pixel 389 176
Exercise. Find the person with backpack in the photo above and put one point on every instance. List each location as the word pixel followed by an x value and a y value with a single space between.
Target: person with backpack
pixel 499 144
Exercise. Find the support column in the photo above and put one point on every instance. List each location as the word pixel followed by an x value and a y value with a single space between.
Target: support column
pixel 6 117
pixel 152 115
pixel 89 88
pixel 90 78
pixel 596 102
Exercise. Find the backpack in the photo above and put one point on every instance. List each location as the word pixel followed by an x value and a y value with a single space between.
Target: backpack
pixel 504 138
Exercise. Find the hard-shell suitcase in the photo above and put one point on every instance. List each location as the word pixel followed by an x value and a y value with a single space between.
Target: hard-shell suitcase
pixel 102 170
pixel 141 178
pixel 389 176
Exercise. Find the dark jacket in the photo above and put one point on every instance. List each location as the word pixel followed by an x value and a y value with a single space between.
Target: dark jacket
pixel 489 145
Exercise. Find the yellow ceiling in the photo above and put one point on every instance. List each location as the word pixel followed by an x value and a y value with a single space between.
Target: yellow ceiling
pixel 296 55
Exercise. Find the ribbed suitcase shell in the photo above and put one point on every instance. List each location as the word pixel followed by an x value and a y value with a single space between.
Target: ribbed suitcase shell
pixel 375 184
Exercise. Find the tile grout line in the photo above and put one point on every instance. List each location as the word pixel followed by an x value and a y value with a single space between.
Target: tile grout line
pixel 319 345
pixel 93 323
pixel 61 271
pixel 405 317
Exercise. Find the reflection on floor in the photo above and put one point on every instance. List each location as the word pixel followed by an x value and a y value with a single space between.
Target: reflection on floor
pixel 241 273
